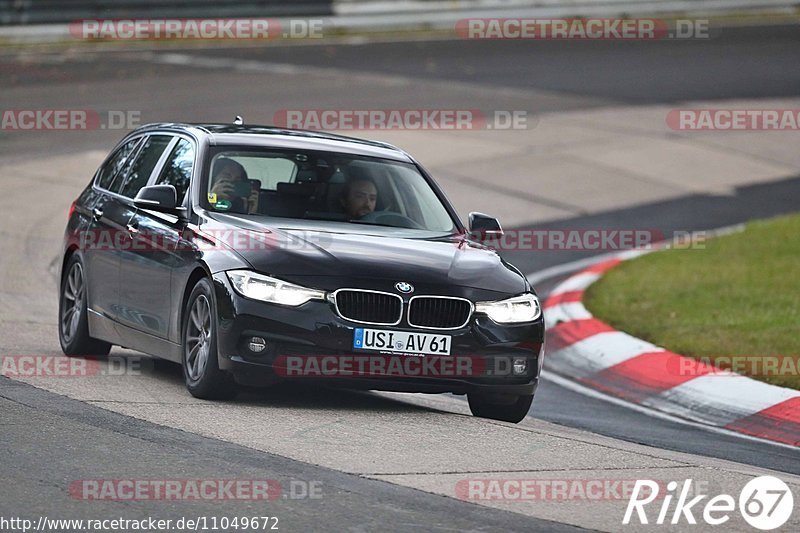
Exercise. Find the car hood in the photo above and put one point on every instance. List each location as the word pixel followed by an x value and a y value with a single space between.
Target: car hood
pixel 298 253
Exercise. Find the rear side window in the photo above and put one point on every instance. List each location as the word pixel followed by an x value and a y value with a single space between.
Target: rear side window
pixel 115 164
pixel 142 167
pixel 178 168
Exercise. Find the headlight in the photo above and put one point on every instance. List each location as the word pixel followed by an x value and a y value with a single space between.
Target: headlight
pixel 523 308
pixel 260 287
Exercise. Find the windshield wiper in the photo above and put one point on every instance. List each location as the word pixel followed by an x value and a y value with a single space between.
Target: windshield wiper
pixel 370 223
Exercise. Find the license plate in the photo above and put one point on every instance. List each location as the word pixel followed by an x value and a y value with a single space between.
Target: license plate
pixel 401 342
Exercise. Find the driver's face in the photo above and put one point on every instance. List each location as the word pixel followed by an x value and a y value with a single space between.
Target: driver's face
pixel 224 182
pixel 360 199
pixel 228 174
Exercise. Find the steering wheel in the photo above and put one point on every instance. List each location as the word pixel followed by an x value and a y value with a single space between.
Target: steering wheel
pixel 390 218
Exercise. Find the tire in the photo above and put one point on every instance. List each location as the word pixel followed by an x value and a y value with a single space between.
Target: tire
pixel 500 407
pixel 73 314
pixel 201 371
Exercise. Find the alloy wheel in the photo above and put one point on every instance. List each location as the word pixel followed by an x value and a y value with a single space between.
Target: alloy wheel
pixel 73 302
pixel 198 338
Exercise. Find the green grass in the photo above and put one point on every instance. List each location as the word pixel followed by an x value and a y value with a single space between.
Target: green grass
pixel 738 296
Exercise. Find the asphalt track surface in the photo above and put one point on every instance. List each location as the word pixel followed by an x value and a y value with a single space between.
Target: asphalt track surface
pixel 748 62
pixel 641 72
pixel 84 438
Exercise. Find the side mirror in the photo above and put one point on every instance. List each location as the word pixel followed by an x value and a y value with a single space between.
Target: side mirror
pixel 483 226
pixel 162 198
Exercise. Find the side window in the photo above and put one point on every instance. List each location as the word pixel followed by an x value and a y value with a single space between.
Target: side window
pixel 178 168
pixel 116 163
pixel 143 166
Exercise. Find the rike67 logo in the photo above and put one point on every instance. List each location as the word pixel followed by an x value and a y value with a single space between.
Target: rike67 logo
pixel 765 503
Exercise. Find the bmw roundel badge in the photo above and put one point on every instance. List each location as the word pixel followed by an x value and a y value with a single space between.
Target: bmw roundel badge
pixel 404 287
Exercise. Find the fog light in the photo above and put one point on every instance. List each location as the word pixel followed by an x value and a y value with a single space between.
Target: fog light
pixel 520 365
pixel 257 344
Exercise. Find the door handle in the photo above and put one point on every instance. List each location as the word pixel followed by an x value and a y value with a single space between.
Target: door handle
pixel 132 229
pixel 97 213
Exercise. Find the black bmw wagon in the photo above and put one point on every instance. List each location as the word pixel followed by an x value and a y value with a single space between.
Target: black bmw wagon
pixel 254 255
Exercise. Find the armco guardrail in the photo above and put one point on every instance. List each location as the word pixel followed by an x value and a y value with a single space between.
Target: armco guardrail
pixel 15 12
pixel 545 8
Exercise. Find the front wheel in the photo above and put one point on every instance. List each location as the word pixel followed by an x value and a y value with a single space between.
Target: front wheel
pixel 201 371
pixel 508 408
pixel 73 313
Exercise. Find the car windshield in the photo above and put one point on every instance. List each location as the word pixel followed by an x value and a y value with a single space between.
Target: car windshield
pixel 324 186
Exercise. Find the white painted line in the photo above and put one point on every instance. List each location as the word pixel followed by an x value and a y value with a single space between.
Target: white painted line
pixel 566 268
pixel 566 312
pixel 578 282
pixel 580 264
pixel 271 67
pixel 235 64
pixel 632 254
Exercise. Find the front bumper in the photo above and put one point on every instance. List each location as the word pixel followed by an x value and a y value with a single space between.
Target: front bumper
pixel 312 343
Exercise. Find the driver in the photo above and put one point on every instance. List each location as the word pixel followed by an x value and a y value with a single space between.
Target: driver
pixel 230 183
pixel 359 196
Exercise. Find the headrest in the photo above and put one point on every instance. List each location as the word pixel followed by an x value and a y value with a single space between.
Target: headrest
pixel 297 189
pixel 306 176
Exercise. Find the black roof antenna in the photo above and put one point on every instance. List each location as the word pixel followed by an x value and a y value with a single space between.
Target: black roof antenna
pixel 238 121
